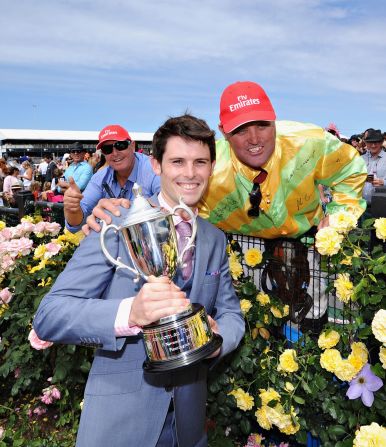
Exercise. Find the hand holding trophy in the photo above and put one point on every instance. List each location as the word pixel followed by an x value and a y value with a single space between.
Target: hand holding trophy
pixel 149 233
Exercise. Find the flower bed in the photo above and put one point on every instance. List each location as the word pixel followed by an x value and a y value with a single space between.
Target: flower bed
pixel 268 392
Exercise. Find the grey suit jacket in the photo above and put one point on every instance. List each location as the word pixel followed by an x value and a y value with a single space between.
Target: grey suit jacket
pixel 123 406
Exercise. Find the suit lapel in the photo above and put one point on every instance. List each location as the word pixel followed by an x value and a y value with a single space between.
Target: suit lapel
pixel 200 264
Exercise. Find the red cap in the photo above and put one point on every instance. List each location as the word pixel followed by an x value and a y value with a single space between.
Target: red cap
pixel 114 132
pixel 243 102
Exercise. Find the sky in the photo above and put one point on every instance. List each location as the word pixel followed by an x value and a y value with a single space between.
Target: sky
pixel 84 64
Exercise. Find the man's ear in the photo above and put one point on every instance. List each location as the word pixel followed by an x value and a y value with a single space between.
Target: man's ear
pixel 155 165
pixel 213 165
pixel 221 129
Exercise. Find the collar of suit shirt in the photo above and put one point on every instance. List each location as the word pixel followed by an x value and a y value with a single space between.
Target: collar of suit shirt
pixel 176 218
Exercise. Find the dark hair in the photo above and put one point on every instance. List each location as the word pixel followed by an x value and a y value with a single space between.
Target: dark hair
pixel 187 127
pixel 48 156
pixel 12 170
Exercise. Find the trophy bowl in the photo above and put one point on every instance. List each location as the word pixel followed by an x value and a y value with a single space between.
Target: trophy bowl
pixel 150 239
pixel 179 340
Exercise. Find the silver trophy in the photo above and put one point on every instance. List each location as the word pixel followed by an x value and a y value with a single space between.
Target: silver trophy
pixel 150 237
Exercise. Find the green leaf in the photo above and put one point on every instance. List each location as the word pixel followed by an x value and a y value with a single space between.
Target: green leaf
pixel 375 298
pixel 249 289
pixel 306 388
pixel 247 365
pixel 299 400
pixel 365 332
pixel 336 431
pixel 321 382
pixel 378 370
pixel 245 426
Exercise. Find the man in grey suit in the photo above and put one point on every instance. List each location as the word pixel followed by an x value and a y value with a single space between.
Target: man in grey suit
pixel 92 303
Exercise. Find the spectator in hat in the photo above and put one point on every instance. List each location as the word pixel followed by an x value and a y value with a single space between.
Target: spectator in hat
pixel 79 170
pixel 125 167
pixel 375 158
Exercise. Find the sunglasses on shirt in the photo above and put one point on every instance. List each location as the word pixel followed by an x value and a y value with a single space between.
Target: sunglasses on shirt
pixel 255 200
pixel 107 149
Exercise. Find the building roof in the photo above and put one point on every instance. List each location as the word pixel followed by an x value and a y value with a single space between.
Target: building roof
pixel 65 135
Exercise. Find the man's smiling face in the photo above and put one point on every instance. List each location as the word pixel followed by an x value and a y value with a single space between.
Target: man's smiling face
pixel 185 170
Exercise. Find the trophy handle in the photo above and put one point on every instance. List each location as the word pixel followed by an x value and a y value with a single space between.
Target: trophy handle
pixel 117 262
pixel 192 238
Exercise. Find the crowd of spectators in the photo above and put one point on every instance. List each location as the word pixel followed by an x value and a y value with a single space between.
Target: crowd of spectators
pixel 371 144
pixel 48 178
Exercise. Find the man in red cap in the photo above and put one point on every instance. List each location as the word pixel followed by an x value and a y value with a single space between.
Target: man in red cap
pixel 125 167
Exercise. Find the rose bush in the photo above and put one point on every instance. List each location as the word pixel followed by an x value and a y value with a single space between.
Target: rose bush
pixel 330 386
pixel 268 392
pixel 42 383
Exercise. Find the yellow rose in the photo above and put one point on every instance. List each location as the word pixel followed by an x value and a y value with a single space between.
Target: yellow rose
pixel 245 306
pixel 266 318
pixel 29 219
pixel 347 260
pixel 263 298
pixel 268 395
pixel 287 361
pixel 40 266
pixel 359 355
pixel 327 241
pixel 291 424
pixel 342 221
pixel 262 418
pixel 289 387
pixel 2 225
pixel 253 257
pixel 285 310
pixel 329 359
pixel 345 371
pixel 276 312
pixel 44 282
pixel 244 400
pixel 39 251
pixel 328 339
pixel 235 268
pixel 382 356
pixel 372 435
pixel 380 227
pixel 378 326
pixel 344 287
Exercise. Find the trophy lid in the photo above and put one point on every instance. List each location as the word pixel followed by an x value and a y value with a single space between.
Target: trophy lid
pixel 140 209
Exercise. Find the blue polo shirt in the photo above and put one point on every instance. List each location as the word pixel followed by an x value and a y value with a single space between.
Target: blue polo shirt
pixel 142 174
pixel 80 172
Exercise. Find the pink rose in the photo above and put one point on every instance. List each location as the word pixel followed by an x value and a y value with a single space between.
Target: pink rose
pixel 46 398
pixel 5 295
pixel 36 343
pixel 53 228
pixel 6 263
pixel 52 249
pixel 55 393
pixel 6 234
pixel 40 410
pixel 22 246
pixel 50 394
pixel 17 372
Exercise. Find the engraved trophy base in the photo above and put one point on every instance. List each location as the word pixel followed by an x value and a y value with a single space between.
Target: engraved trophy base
pixel 179 340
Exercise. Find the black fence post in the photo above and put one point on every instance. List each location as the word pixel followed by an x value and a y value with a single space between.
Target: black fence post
pixel 22 197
